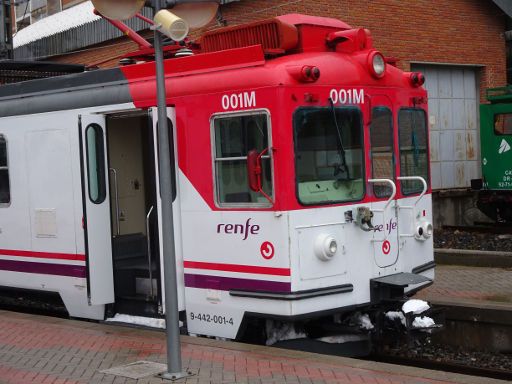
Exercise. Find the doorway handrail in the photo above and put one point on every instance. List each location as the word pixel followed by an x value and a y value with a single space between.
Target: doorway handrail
pixel 383 210
pixel 150 269
pixel 116 200
pixel 413 207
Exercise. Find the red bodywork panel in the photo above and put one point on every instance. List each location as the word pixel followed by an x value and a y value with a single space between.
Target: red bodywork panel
pixel 197 85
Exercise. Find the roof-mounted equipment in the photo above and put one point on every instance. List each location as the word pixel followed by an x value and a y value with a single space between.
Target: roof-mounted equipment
pixel 274 36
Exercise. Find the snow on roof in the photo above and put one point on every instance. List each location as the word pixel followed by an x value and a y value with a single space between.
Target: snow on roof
pixel 59 22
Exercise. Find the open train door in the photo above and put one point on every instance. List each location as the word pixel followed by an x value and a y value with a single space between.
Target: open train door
pixel 382 185
pixel 96 203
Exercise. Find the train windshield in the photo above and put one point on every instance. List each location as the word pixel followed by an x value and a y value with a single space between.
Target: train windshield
pixel 329 161
pixel 413 138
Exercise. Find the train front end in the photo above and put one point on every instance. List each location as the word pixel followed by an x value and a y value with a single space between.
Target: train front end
pixel 335 214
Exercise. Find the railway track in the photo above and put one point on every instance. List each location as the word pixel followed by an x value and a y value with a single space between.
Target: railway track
pixel 481 227
pixel 444 365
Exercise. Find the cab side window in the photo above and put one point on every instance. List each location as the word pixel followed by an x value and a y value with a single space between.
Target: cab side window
pixel 234 136
pixel 381 139
pixel 503 124
pixel 413 141
pixel 5 190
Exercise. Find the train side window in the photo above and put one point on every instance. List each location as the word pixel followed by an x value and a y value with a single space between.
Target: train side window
pixel 5 189
pixel 96 163
pixel 381 139
pixel 234 135
pixel 503 124
pixel 413 141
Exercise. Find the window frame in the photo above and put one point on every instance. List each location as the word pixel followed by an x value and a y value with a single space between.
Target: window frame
pixel 496 133
pixel 269 155
pixel 7 204
pixel 363 156
pixel 100 176
pixel 427 150
pixel 393 147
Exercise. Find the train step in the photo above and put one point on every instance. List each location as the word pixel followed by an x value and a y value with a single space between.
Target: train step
pixel 133 245
pixel 359 347
pixel 138 305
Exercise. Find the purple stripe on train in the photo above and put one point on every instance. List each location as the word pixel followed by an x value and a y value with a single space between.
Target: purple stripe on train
pixel 43 268
pixel 227 283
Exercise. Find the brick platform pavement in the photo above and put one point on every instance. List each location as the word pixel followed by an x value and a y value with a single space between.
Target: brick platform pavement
pixel 37 349
pixel 477 285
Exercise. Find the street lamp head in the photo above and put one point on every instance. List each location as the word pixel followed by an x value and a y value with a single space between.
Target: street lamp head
pixel 171 25
pixel 118 9
pixel 196 13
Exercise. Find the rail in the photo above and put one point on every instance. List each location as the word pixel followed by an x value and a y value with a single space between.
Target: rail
pixel 150 269
pixel 383 210
pixel 413 207
pixel 116 195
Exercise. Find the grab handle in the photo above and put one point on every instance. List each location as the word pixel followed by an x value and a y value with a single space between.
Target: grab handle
pixel 148 236
pixel 116 199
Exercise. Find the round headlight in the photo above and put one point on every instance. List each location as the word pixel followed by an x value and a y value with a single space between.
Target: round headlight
pixel 424 229
pixel 325 247
pixel 427 230
pixel 377 64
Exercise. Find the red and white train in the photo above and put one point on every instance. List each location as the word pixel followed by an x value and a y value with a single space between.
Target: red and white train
pixel 301 164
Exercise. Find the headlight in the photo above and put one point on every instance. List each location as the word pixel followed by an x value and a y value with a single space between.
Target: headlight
pixel 423 230
pixel 377 64
pixel 325 247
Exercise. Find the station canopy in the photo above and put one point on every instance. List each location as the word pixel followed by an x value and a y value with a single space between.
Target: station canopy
pixel 74 28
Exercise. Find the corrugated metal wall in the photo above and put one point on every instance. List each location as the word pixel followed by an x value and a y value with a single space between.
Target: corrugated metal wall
pixel 82 36
pixel 79 37
pixel 453 122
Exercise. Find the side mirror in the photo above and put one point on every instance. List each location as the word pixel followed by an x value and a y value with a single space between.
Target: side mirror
pixel 254 170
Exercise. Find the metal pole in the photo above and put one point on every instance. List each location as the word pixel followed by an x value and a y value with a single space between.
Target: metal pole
pixel 174 369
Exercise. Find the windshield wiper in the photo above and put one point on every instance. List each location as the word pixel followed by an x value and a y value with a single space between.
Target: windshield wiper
pixel 341 149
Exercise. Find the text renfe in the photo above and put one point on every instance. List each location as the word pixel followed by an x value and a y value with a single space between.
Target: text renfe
pixel 242 229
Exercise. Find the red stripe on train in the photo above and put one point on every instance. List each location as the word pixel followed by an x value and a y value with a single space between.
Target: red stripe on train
pixel 42 255
pixel 237 268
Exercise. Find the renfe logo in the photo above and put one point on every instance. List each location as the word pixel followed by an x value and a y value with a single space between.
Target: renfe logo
pixel 234 229
pixel 389 227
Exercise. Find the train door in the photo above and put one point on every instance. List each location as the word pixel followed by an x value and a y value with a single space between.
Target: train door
pixel 383 184
pixel 134 219
pixel 171 123
pixel 96 219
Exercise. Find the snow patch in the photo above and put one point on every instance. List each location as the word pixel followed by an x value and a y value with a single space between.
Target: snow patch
pixel 138 320
pixel 363 320
pixel 415 306
pixel 340 339
pixel 281 331
pixel 423 322
pixel 392 315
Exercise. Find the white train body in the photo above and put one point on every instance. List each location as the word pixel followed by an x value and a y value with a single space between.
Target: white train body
pixel 80 212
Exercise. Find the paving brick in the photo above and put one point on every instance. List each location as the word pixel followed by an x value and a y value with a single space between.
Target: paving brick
pixel 39 344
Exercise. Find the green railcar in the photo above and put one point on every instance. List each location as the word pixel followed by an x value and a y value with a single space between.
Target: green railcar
pixel 495 195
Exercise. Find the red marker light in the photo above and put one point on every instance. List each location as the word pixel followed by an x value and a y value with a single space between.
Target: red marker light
pixel 311 97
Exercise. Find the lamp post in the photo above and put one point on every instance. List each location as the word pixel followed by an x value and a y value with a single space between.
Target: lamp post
pixel 198 14
pixel 174 369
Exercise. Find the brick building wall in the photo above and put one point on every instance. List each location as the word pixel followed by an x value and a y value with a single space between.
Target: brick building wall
pixel 462 32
